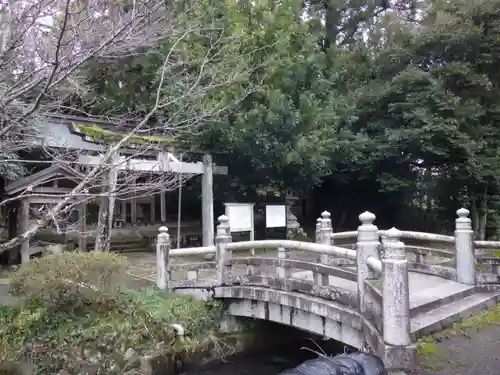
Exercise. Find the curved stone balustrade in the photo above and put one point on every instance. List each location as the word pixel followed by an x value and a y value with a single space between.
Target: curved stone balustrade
pixel 380 296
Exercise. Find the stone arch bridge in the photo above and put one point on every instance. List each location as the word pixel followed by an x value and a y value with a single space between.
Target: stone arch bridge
pixel 377 294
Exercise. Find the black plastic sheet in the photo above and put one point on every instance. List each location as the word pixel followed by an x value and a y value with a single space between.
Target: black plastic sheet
pixel 344 364
pixel 372 365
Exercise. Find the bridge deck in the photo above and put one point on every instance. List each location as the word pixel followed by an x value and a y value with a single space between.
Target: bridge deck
pixel 434 301
pixel 423 288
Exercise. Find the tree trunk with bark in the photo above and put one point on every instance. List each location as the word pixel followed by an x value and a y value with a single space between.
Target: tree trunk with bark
pixel 107 209
pixel 483 216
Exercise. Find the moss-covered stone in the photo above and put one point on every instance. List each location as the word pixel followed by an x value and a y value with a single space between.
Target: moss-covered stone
pixel 100 135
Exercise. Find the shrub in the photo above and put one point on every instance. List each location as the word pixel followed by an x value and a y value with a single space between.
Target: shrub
pixel 53 340
pixel 72 280
pixel 75 313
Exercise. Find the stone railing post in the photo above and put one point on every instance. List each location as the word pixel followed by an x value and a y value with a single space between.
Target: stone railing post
pixel 464 245
pixel 162 258
pixel 222 238
pixel 317 238
pixel 326 231
pixel 367 245
pixel 325 238
pixel 395 291
pixel 282 271
pixel 381 248
pixel 326 228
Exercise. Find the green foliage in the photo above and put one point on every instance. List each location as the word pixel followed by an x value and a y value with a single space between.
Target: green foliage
pixel 54 340
pixel 9 169
pixel 75 313
pixel 71 280
pixel 297 235
pixel 287 129
pixel 203 64
pixel 383 112
pixel 198 318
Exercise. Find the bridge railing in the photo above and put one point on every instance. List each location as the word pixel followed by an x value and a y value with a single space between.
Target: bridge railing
pixel 488 258
pixel 189 270
pixel 378 270
pixel 373 286
pixel 456 257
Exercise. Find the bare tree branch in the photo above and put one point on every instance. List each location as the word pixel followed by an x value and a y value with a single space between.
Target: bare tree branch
pixel 45 47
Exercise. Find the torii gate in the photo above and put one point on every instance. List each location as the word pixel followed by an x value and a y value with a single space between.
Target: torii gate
pixel 167 162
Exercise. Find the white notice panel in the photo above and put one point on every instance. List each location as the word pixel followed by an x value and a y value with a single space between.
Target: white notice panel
pixel 276 216
pixel 240 216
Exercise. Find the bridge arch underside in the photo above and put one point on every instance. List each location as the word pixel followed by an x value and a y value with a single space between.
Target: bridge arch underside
pixel 328 319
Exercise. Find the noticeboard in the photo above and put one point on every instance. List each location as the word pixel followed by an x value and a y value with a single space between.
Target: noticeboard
pixel 241 216
pixel 276 216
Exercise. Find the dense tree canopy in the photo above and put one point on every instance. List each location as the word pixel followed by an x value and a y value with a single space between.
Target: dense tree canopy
pixel 390 105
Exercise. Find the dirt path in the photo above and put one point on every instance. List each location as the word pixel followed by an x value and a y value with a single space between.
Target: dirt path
pixel 5 297
pixel 472 347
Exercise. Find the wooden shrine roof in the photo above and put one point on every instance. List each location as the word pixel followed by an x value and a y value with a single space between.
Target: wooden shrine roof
pixel 88 134
pixel 57 170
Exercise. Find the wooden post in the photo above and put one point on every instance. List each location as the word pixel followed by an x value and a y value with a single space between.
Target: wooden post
pixel 112 181
pixel 163 161
pixel 395 292
pixel 124 211
pixel 153 209
pixel 163 207
pixel 24 223
pixel 162 258
pixel 82 218
pixel 207 201
pixel 13 219
pixel 133 204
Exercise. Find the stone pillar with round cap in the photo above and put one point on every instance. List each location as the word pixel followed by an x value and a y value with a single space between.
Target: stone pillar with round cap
pixel 326 230
pixel 162 258
pixel 367 245
pixel 223 255
pixel 395 291
pixel 325 238
pixel 464 245
pixel 317 239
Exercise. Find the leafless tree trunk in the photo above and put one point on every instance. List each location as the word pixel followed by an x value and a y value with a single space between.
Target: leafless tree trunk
pixel 483 218
pixel 106 210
